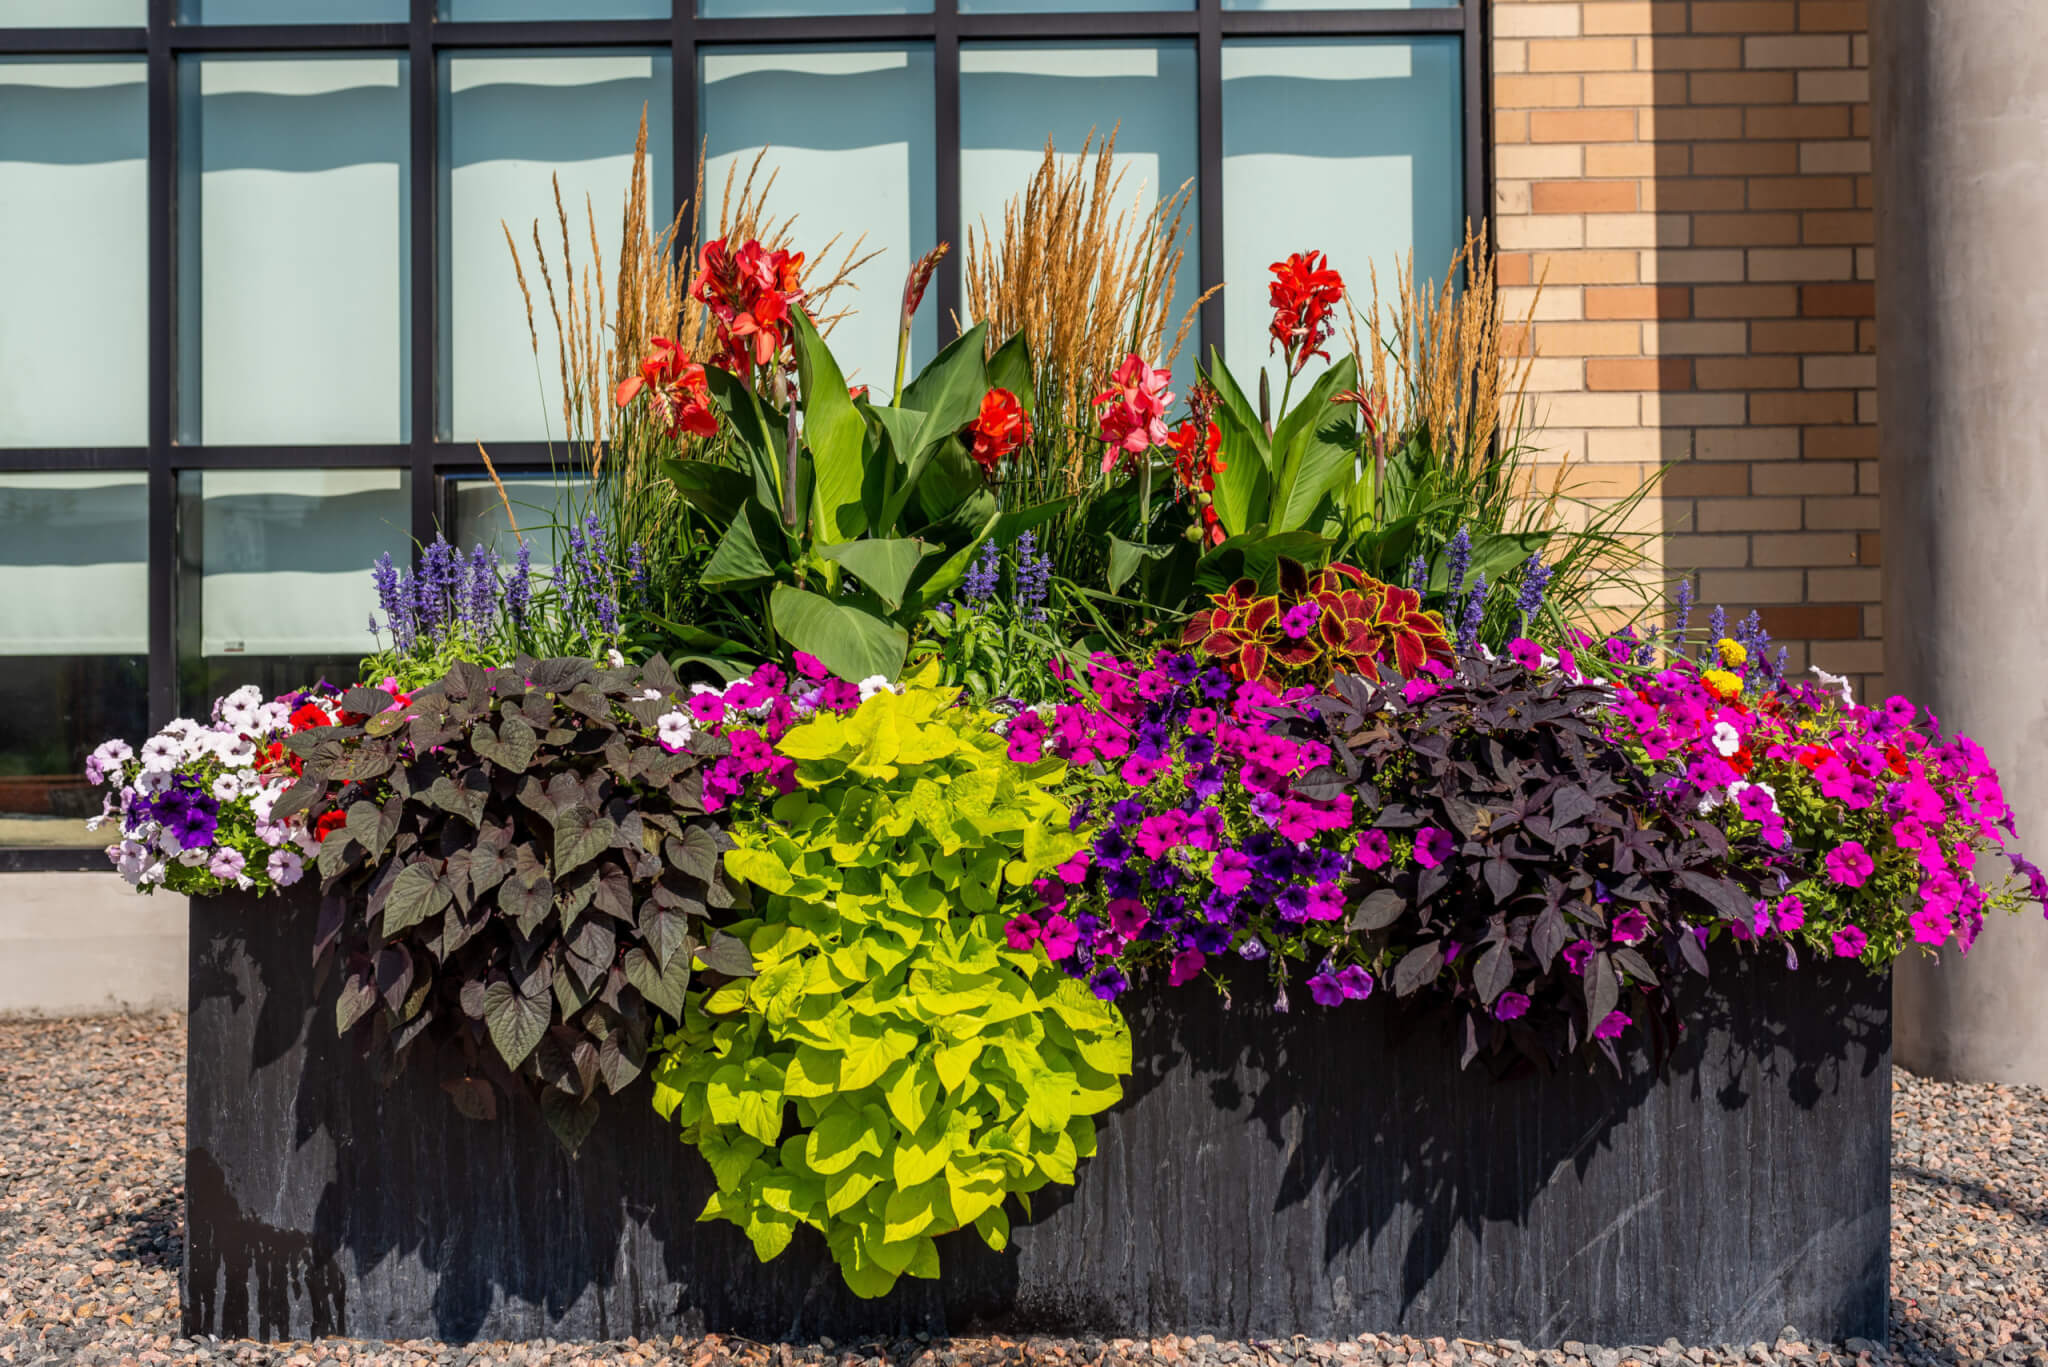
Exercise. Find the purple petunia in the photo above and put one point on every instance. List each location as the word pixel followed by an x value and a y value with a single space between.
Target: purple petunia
pixel 1510 1006
pixel 1433 845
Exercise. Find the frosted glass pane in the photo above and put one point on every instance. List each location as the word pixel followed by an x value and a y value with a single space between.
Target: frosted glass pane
pixel 1352 147
pixel 783 9
pixel 1013 96
pixel 1340 4
pixel 74 573
pixel 73 13
pixel 509 125
pixel 283 556
pixel 1071 6
pixel 292 12
pixel 553 9
pixel 543 506
pixel 294 321
pixel 849 132
pixel 74 237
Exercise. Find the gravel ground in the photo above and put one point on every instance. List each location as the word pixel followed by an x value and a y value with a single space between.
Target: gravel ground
pixel 91 1238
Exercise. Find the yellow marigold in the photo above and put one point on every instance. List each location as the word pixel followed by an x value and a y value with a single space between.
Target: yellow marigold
pixel 1733 653
pixel 1722 684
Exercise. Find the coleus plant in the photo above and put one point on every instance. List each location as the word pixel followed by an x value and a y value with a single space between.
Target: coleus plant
pixel 1337 620
pixel 518 861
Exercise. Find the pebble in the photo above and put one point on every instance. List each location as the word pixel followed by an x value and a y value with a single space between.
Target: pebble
pixel 91 1243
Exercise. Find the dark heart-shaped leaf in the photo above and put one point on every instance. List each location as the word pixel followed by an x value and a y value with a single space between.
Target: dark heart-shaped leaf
pixel 1418 968
pixel 727 954
pixel 619 1061
pixel 696 853
pixel 512 748
pixel 570 1120
pixel 1635 965
pixel 394 975
pixel 1380 909
pixel 1547 937
pixel 581 835
pixel 417 893
pixel 372 826
pixel 560 675
pixel 665 988
pixel 1722 894
pixel 1493 972
pixel 516 1020
pixel 1689 946
pixel 591 949
pixel 1570 804
pixel 1502 878
pixel 358 995
pixel 475 1098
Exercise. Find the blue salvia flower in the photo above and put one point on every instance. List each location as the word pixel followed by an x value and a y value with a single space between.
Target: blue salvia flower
pixel 1460 555
pixel 1683 614
pixel 519 590
pixel 982 576
pixel 1475 616
pixel 1717 623
pixel 1778 666
pixel 1535 583
pixel 440 582
pixel 1418 574
pixel 636 562
pixel 480 601
pixel 1646 653
pixel 1034 577
pixel 394 595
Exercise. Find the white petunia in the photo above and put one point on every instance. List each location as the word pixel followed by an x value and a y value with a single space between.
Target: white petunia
pixel 152 782
pixel 1837 681
pixel 285 867
pixel 272 716
pixel 262 800
pixel 1727 740
pixel 618 661
pixel 227 787
pixel 160 754
pixel 650 695
pixel 113 752
pixel 674 730
pixel 167 841
pixel 151 873
pixel 193 858
pixel 873 684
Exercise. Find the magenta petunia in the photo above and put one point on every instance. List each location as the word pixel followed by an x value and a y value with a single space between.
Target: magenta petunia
pixel 1612 1025
pixel 1022 931
pixel 1061 938
pixel 1231 873
pixel 1849 864
pixel 1185 966
pixel 1629 926
pixel 1433 845
pixel 1373 850
pixel 1510 1006
pixel 1528 655
pixel 1849 942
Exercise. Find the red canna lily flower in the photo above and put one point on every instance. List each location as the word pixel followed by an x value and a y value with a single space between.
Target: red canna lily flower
pixel 1135 404
pixel 749 293
pixel 1304 295
pixel 1000 428
pixel 675 389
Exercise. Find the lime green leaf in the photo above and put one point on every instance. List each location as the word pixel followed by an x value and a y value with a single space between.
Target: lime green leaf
pixel 758 867
pixel 994 1228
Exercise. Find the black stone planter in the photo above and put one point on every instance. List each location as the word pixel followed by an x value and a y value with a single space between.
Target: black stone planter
pixel 1316 1172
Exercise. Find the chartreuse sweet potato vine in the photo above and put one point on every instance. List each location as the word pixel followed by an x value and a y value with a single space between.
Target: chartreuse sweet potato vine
pixel 895 1070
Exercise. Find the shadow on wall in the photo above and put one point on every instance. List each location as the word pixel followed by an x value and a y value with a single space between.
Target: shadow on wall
pixel 1267 1174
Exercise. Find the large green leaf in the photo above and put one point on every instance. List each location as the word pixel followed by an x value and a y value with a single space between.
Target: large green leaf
pixel 949 390
pixel 852 644
pixel 1126 558
pixel 760 429
pixel 1245 486
pixel 883 566
pixel 1010 368
pixel 836 435
pixel 1002 528
pixel 717 491
pixel 1312 450
pixel 752 551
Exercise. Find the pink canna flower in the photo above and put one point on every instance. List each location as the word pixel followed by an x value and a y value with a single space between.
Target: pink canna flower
pixel 1134 410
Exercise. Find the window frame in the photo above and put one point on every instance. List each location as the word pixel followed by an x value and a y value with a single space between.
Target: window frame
pixel 423 38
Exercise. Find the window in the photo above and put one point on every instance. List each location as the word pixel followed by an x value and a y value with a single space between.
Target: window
pixel 260 309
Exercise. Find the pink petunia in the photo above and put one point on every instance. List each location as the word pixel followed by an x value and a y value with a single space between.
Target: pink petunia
pixel 1433 845
pixel 1849 864
pixel 1849 942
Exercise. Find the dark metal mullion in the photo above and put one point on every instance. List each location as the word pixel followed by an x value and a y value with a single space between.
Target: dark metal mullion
pixel 1209 166
pixel 163 364
pixel 683 112
pixel 946 175
pixel 1478 115
pixel 71 42
pixel 57 458
pixel 424 81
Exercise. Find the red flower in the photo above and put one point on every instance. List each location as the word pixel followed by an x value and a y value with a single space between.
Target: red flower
pixel 309 716
pixel 675 390
pixel 1135 407
pixel 1000 428
pixel 749 293
pixel 1197 460
pixel 328 823
pixel 856 392
pixel 1304 293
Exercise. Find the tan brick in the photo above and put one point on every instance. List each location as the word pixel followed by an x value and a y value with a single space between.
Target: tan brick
pixel 1584 268
pixel 1739 589
pixel 1541 92
pixel 1695 194
pixel 1560 376
pixel 1806 121
pixel 1639 301
pixel 1511 126
pixel 1510 56
pixel 1802 192
pixel 1801 336
pixel 1690 551
pixel 1840 443
pixel 1635 87
pixel 1811 621
pixel 1513 268
pixel 1590 54
pixel 1697 339
pixel 1748 443
pixel 1834 87
pixel 1694 123
pixel 1745 159
pixel 1844 586
pixel 1695 410
pixel 1838 301
pixel 1743 87
pixel 1536 21
pixel 1583 197
pixel 1693 267
pixel 1746 301
pixel 1841 372
pixel 1851 157
pixel 1745 16
pixel 1634 16
pixel 1589 339
pixel 1748 372
pixel 1650 446
pixel 1779 550
pixel 1852 227
pixel 1699 479
pixel 1665 373
pixel 1637 159
pixel 1804 51
pixel 1564 303
pixel 1691 54
pixel 1510 197
pixel 1582 125
pixel 1803 408
pixel 1852 514
pixel 1746 230
pixel 1800 263
pixel 1843 16
pixel 1850 657
pixel 1807 477
pixel 1751 514
pixel 1591 410
pixel 1534 232
pixel 1539 162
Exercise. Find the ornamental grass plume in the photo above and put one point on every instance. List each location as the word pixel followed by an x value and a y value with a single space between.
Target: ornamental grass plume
pixel 1087 284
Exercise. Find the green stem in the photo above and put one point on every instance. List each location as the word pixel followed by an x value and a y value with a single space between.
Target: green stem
pixel 1145 499
pixel 902 358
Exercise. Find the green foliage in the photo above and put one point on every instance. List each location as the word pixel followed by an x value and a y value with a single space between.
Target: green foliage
pixel 896 1070
pixel 521 869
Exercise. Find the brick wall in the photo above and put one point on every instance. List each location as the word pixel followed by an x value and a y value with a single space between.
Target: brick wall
pixel 1690 180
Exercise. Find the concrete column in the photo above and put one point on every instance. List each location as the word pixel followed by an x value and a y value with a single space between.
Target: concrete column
pixel 1960 125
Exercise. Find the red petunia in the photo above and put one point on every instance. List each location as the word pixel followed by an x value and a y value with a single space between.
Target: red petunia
pixel 328 823
pixel 1000 428
pixel 1304 295
pixel 309 717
